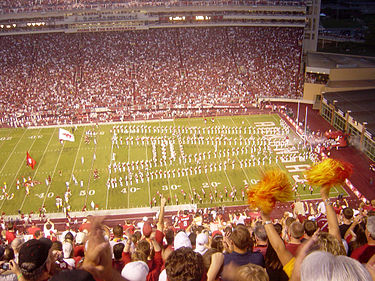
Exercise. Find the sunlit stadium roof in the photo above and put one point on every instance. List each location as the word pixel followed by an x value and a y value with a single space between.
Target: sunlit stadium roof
pixel 324 62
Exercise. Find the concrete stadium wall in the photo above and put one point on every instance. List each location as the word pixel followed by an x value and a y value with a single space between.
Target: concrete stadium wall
pixel 310 91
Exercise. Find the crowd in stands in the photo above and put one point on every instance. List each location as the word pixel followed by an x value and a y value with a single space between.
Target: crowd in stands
pixel 16 6
pixel 330 241
pixel 100 77
pixel 316 78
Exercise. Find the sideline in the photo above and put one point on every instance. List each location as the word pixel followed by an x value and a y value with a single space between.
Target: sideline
pixel 111 212
pixel 101 124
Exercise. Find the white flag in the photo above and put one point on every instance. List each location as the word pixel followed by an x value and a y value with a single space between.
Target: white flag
pixel 65 135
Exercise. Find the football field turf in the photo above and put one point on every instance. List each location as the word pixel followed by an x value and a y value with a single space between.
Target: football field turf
pixel 205 162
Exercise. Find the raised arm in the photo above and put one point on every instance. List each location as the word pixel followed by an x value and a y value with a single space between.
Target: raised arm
pixel 217 261
pixel 333 224
pixel 274 238
pixel 160 224
pixel 98 256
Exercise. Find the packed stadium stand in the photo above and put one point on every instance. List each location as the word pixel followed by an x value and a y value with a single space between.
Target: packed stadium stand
pixel 77 62
pixel 67 76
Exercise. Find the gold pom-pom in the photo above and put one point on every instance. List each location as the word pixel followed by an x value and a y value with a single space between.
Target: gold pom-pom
pixel 274 186
pixel 328 173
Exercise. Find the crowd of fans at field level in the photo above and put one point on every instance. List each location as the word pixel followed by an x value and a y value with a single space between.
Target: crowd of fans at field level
pixel 102 77
pixel 330 242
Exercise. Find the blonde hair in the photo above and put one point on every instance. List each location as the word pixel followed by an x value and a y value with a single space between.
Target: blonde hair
pixel 329 243
pixel 252 272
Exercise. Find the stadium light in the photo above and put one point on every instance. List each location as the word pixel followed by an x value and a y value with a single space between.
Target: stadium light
pixel 177 18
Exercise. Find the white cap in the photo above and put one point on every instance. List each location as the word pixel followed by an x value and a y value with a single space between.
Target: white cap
pixel 135 271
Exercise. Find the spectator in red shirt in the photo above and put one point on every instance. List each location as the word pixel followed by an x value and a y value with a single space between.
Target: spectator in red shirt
pixel 10 234
pixel 260 239
pixel 295 232
pixel 85 224
pixel 117 261
pixel 365 252
pixel 32 229
pixel 184 220
pixel 129 228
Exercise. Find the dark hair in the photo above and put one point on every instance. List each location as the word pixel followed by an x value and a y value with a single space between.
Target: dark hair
pixel 56 245
pixel 10 225
pixel 217 243
pixel 37 233
pixel 32 274
pixel 193 238
pixel 348 213
pixel 271 259
pixel 310 227
pixel 200 228
pixel 69 236
pixel 8 254
pixel 169 236
pixel 184 265
pixel 118 231
pixel 228 231
pixel 117 250
pixel 278 227
pixel 136 236
pixel 289 221
pixel 360 238
pixel 241 238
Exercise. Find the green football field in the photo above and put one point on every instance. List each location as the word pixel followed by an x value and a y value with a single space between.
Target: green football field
pixel 205 162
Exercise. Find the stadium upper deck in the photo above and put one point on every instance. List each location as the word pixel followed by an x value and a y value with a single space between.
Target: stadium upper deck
pixel 16 6
pixel 42 16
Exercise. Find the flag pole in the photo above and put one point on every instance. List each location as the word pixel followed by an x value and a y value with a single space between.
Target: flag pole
pixel 298 112
pixel 306 123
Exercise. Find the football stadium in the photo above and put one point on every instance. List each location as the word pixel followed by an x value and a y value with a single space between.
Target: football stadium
pixel 182 140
